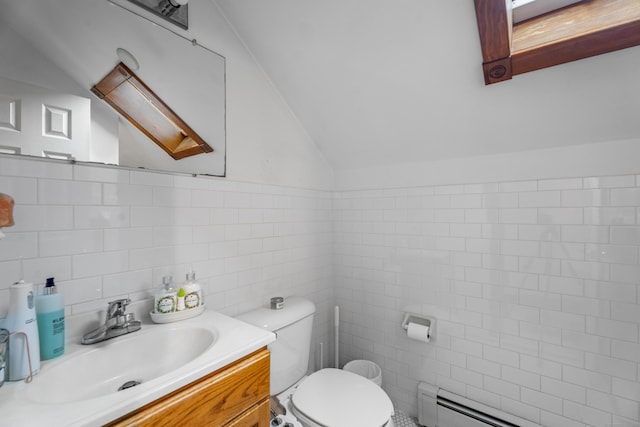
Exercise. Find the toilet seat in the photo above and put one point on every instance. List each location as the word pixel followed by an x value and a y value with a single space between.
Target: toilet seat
pixel 336 398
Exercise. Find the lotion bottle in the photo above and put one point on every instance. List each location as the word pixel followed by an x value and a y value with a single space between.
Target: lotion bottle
pixel 50 315
pixel 24 353
pixel 193 292
pixel 165 301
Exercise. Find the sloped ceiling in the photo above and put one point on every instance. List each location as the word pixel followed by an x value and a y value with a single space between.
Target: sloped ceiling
pixel 380 81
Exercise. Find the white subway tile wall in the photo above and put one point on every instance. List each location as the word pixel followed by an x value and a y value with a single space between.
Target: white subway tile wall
pixel 533 285
pixel 107 233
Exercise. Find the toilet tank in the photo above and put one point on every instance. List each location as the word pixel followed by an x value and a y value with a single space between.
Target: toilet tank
pixel 290 351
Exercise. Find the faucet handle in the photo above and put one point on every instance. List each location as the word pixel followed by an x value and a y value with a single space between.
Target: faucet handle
pixel 117 307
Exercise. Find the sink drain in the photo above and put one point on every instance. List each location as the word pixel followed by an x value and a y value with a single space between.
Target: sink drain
pixel 129 384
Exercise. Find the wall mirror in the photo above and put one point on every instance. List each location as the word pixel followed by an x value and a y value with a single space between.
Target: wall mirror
pixel 54 51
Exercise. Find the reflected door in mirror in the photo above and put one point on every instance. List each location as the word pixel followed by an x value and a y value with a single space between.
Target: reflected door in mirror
pixel 37 122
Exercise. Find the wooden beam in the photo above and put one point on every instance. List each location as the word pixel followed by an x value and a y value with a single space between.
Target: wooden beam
pixel 494 28
pixel 581 30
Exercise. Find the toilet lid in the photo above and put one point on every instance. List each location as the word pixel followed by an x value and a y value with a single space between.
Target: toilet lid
pixel 335 398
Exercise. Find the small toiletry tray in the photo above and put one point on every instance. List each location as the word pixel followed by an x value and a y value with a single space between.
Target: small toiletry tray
pixel 176 315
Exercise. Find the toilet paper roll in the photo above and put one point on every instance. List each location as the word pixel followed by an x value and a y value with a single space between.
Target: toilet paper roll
pixel 418 332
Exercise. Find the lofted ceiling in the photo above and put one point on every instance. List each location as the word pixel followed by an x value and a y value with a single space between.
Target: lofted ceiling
pixel 376 82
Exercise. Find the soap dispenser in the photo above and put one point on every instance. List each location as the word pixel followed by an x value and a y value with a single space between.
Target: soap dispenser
pixel 193 292
pixel 166 297
pixel 50 315
pixel 24 345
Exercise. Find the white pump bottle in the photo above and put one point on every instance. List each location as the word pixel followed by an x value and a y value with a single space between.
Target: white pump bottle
pixel 21 323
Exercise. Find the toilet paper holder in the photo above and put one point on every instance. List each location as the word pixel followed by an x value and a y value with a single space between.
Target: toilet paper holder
pixel 414 318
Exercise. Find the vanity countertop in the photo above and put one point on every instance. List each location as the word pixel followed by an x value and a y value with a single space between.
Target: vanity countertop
pixel 233 340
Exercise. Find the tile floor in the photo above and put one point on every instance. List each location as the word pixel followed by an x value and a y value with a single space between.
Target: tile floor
pixel 400 419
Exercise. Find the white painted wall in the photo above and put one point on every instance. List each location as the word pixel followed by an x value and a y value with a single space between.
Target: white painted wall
pixel 265 141
pixel 608 158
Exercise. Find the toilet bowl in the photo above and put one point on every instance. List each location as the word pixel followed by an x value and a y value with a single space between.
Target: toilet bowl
pixel 336 398
pixel 326 398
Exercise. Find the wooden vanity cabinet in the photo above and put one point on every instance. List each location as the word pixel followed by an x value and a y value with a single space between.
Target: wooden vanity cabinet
pixel 234 396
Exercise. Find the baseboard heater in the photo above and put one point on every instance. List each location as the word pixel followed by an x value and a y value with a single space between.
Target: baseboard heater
pixel 441 408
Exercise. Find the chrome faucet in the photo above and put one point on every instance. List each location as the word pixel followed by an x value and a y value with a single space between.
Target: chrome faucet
pixel 117 323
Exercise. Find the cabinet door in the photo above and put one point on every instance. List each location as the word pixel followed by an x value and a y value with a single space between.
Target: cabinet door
pixel 258 416
pixel 212 401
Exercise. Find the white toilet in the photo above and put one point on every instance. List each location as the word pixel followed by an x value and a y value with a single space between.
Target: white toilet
pixel 327 398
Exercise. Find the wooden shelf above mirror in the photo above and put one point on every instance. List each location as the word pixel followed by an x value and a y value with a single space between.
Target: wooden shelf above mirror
pixel 136 102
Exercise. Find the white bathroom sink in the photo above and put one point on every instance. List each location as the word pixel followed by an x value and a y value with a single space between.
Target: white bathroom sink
pixel 131 359
pixel 80 388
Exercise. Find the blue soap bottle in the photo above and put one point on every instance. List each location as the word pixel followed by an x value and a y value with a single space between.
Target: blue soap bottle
pixel 50 316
